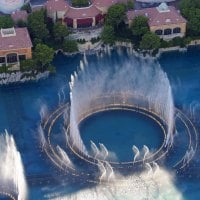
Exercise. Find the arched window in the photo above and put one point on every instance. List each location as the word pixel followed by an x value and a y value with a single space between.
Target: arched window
pixel 177 30
pixel 2 60
pixel 159 32
pixel 12 58
pixel 168 31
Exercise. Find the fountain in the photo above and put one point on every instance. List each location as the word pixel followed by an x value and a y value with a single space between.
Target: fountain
pixel 189 154
pixel 61 95
pixel 81 65
pixel 64 157
pixel 85 59
pixel 42 137
pixel 11 170
pixel 43 112
pixel 95 149
pixel 102 171
pixel 156 167
pixel 134 187
pixel 104 152
pixel 146 152
pixel 97 88
pixel 149 169
pixel 136 153
pixel 110 172
pixel 8 6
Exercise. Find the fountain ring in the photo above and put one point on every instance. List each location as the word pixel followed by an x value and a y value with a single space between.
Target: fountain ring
pixel 161 152
pixel 50 122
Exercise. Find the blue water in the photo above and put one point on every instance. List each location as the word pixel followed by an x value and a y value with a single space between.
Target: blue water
pixel 108 128
pixel 20 105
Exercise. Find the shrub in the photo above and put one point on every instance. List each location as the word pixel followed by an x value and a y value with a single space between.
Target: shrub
pixel 70 46
pixel 3 69
pixel 81 41
pixel 95 40
pixel 27 65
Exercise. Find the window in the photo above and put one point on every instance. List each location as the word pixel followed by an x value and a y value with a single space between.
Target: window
pixel 159 32
pixel 2 60
pixel 177 30
pixel 12 58
pixel 22 57
pixel 168 31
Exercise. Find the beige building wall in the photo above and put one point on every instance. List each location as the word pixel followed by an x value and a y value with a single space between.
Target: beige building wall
pixel 27 52
pixel 94 21
pixel 104 10
pixel 74 23
pixel 61 14
pixel 54 15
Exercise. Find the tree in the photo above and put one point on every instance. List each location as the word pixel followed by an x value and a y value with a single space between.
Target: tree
pixel 140 26
pixel 107 35
pixel 80 3
pixel 116 14
pixel 21 23
pixel 27 7
pixel 70 46
pixel 43 55
pixel 6 21
pixel 130 4
pixel 150 41
pixel 190 9
pixel 60 32
pixel 26 65
pixel 37 26
pixel 186 5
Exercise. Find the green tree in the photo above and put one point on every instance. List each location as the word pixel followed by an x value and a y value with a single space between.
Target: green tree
pixel 37 26
pixel 108 35
pixel 140 26
pixel 116 14
pixel 60 32
pixel 186 5
pixel 190 9
pixel 21 23
pixel 27 65
pixel 150 41
pixel 6 21
pixel 70 46
pixel 80 3
pixel 27 7
pixel 43 55
pixel 130 4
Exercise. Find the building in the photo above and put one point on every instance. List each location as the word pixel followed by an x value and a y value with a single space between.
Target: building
pixel 84 17
pixel 103 5
pixel 15 45
pixel 19 15
pixel 164 20
pixel 56 9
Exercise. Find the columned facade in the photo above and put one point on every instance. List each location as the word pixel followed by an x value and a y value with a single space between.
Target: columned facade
pixel 168 32
pixel 84 22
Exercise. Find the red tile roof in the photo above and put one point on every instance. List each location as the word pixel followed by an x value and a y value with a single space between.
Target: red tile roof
pixel 19 15
pixel 20 40
pixel 36 8
pixel 104 3
pixel 107 3
pixel 158 18
pixel 56 5
pixel 81 13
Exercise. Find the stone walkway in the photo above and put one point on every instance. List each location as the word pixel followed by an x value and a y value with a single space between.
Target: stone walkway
pixel 86 34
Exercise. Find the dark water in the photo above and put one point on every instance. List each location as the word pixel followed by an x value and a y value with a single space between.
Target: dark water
pixel 20 106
